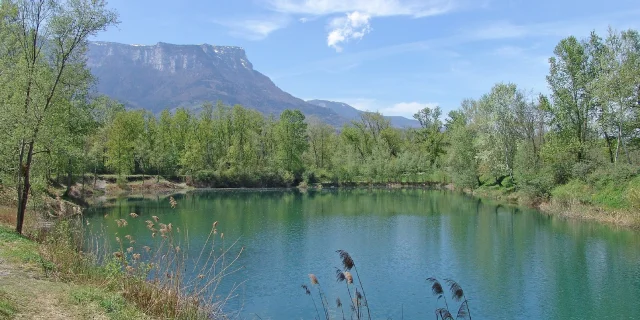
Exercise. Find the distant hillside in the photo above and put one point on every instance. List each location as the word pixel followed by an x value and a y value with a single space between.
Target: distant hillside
pixel 348 112
pixel 165 75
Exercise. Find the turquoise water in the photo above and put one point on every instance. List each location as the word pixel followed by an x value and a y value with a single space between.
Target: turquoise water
pixel 513 263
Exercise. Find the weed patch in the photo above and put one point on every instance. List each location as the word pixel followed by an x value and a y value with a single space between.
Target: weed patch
pixel 7 307
pixel 113 304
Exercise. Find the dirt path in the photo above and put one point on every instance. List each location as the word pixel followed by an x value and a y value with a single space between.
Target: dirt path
pixel 27 293
pixel 31 297
pixel 35 298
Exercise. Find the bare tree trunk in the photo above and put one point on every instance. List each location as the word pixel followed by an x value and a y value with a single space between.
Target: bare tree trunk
pixel 19 186
pixel 626 152
pixel 83 178
pixel 25 187
pixel 69 177
pixel 618 145
pixel 609 146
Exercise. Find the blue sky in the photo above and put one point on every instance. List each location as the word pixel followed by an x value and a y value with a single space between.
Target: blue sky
pixel 392 56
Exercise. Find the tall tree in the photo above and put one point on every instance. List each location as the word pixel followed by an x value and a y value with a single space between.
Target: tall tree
pixel 570 80
pixel 124 136
pixel 320 143
pixel 50 39
pixel 499 128
pixel 431 136
pixel 618 87
pixel 292 140
pixel 462 154
pixel 165 156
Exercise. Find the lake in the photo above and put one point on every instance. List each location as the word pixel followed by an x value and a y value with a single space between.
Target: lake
pixel 513 263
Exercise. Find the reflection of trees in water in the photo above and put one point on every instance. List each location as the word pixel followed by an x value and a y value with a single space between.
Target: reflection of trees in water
pixel 501 249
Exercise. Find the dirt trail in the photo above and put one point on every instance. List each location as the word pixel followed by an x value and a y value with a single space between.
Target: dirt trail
pixel 34 296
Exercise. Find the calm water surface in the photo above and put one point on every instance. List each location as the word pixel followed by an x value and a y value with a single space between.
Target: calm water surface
pixel 513 263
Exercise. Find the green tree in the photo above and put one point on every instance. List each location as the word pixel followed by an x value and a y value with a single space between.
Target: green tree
pixel 431 136
pixel 124 133
pixel 165 156
pixel 570 79
pixel 146 143
pixel 461 156
pixel 321 143
pixel 499 128
pixel 199 151
pixel 103 112
pixel 292 140
pixel 48 40
pixel 617 88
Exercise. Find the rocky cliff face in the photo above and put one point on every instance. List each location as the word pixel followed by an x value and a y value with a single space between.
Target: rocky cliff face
pixel 160 76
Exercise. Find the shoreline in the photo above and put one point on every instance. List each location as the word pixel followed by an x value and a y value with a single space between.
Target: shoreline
pixel 622 218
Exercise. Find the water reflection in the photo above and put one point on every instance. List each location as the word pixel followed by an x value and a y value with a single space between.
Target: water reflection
pixel 514 263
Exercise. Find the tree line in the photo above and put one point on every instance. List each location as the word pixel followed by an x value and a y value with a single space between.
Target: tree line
pixel 53 128
pixel 509 137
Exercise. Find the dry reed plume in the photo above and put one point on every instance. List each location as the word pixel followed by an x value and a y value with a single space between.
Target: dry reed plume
pixel 152 276
pixel 358 298
pixel 457 294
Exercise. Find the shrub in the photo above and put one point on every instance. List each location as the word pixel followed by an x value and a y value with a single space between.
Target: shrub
pixel 633 193
pixel 287 178
pixel 583 169
pixel 572 192
pixel 309 177
pixel 617 174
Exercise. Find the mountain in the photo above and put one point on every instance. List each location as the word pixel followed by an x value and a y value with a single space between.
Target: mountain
pixel 155 77
pixel 348 112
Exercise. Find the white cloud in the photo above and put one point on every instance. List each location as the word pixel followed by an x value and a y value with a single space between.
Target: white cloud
pixel 255 28
pixel 355 20
pixel 351 27
pixel 376 8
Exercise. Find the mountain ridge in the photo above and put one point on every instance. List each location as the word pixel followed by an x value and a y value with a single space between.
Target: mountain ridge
pixel 163 75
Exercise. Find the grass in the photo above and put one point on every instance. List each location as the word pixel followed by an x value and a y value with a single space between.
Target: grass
pixel 113 304
pixel 17 248
pixel 28 288
pixel 608 195
pixel 611 202
pixel 8 308
pixel 605 200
